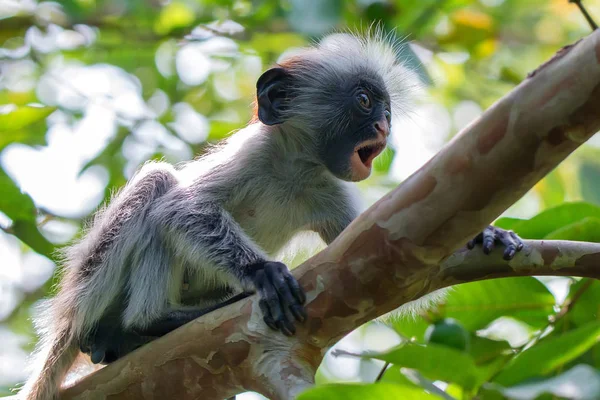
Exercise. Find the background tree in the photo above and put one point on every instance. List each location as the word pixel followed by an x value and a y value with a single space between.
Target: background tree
pixel 90 89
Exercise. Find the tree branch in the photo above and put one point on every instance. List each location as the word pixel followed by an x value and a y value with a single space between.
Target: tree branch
pixel 395 252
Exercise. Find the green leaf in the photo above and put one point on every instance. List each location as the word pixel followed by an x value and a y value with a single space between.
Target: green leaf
pixel 589 176
pixel 484 350
pixel 384 161
pixel 24 125
pixel 581 382
pixel 585 230
pixel 551 190
pixel 375 391
pixel 174 15
pixel 477 304
pixel 507 222
pixel 393 375
pixel 587 306
pixel 543 224
pixel 550 354
pixel 435 362
pixel 19 207
pixel 220 130
pixel 13 202
pixel 408 326
pixel 29 234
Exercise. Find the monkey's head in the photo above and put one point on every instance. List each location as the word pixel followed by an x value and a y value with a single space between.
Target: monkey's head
pixel 340 97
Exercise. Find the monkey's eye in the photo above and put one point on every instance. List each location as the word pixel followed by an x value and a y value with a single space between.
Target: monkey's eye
pixel 388 116
pixel 364 100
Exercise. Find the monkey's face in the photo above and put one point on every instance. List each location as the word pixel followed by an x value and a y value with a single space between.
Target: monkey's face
pixel 347 116
pixel 358 134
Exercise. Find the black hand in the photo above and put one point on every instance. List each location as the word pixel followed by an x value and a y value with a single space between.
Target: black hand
pixel 279 293
pixel 492 236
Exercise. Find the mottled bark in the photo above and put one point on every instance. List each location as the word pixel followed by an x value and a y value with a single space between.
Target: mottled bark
pixel 395 252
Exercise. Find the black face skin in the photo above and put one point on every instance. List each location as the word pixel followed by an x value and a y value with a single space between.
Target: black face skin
pixel 351 139
pixel 367 106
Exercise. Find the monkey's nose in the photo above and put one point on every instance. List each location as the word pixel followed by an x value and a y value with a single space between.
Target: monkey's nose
pixel 382 127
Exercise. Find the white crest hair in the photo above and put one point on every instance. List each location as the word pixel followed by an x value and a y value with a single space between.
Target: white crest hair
pixel 373 50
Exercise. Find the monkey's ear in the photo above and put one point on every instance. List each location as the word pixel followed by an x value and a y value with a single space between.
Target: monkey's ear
pixel 271 93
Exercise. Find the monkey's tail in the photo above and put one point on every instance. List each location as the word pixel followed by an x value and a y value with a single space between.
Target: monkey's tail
pixel 54 355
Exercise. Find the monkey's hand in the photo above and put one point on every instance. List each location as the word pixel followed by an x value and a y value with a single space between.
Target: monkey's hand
pixel 281 297
pixel 492 236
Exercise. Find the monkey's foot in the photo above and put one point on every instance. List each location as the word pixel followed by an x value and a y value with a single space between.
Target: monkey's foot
pixel 492 236
pixel 281 297
pixel 106 346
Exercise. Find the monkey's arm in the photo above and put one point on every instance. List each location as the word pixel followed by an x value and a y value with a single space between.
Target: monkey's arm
pixel 206 236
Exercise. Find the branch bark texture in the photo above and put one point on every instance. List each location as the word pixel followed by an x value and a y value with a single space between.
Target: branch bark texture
pixel 402 248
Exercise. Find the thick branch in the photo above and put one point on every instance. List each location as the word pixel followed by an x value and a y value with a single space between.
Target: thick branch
pixel 393 253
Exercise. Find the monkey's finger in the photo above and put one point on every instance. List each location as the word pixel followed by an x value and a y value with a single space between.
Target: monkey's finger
pixel 477 239
pixel 489 238
pixel 517 239
pixel 274 306
pixel 510 252
pixel 278 276
pixel 297 290
pixel 511 241
pixel 286 327
pixel 264 308
pixel 299 312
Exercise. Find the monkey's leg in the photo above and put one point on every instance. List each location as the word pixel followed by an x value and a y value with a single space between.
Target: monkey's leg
pixel 109 340
pixel 111 344
pixel 173 319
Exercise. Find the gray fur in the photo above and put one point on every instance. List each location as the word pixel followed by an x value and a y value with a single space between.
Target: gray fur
pixel 238 205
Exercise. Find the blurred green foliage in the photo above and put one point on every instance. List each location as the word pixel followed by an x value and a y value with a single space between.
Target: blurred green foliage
pixel 466 51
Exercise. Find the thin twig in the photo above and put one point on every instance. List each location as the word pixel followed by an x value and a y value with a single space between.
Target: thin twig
pixel 385 366
pixel 585 14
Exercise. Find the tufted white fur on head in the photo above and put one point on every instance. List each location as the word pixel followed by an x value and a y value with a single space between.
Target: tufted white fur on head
pixel 343 54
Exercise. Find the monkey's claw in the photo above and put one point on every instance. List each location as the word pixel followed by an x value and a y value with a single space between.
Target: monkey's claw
pixel 492 236
pixel 281 297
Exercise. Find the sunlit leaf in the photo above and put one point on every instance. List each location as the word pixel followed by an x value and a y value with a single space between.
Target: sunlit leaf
pixel 13 202
pixel 383 162
pixel 408 326
pixel 507 222
pixel 581 382
pixel 29 234
pixel 175 14
pixel 376 391
pixel 435 362
pixel 550 354
pixel 18 125
pixel 548 221
pixel 585 230
pixel 477 304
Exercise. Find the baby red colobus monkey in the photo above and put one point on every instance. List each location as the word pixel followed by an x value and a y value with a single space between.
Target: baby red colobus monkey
pixel 214 224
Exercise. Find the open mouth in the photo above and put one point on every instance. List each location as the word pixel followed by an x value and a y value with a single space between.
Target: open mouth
pixel 364 154
pixel 367 151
